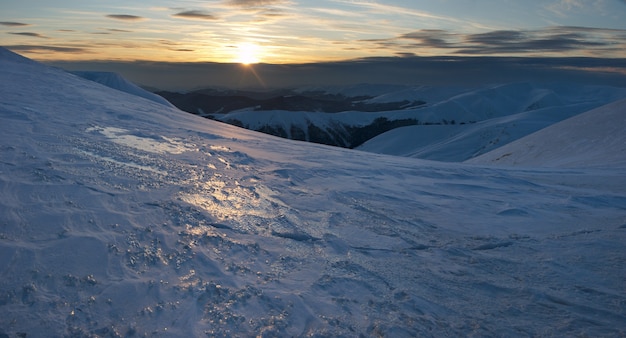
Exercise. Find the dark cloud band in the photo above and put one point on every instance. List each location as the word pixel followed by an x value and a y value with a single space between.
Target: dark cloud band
pixel 195 15
pixel 125 17
pixel 13 24
pixel 44 49
pixel 561 39
pixel 31 34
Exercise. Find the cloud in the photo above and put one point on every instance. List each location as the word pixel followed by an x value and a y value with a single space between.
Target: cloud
pixel 255 3
pixel 31 34
pixel 44 49
pixel 125 17
pixel 497 37
pixel 435 38
pixel 566 40
pixel 195 15
pixel 13 24
pixel 272 13
pixel 339 12
pixel 556 39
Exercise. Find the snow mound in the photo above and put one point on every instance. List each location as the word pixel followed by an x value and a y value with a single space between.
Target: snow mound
pixel 116 81
pixel 596 138
pixel 122 217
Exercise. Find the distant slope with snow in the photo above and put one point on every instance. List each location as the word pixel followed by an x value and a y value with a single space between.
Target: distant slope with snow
pixel 122 217
pixel 596 138
pixel 116 81
pixel 457 143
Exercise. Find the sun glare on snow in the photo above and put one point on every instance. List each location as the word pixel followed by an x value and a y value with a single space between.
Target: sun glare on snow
pixel 247 54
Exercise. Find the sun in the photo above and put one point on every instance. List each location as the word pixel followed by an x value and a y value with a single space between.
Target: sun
pixel 247 53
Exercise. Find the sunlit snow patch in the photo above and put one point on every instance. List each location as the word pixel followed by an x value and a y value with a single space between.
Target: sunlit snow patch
pixel 150 143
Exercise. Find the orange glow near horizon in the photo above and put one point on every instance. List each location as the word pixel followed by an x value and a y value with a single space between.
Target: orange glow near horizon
pixel 247 54
pixel 280 32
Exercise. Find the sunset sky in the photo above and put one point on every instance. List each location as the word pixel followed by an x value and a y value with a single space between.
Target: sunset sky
pixel 301 31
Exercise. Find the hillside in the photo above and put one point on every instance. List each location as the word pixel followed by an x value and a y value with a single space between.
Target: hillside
pixel 123 217
pixel 593 139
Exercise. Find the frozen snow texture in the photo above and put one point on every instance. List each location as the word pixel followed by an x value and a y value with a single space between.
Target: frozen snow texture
pixel 123 217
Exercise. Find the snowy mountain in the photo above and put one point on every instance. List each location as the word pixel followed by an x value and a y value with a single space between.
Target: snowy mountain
pixel 446 123
pixel 596 138
pixel 457 143
pixel 124 217
pixel 116 81
pixel 503 113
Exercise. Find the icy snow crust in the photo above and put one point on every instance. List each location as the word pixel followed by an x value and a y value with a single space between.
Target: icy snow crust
pixel 123 217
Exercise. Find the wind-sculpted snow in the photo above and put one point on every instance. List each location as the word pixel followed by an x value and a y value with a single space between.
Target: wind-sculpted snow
pixel 126 218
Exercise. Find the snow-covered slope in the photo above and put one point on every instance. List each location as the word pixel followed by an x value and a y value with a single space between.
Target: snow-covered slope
pixel 116 81
pixel 457 143
pixel 123 217
pixel 596 138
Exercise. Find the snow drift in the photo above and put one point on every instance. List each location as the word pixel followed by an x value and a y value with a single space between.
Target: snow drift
pixel 122 217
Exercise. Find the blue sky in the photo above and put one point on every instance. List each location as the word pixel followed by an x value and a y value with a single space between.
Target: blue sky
pixel 297 31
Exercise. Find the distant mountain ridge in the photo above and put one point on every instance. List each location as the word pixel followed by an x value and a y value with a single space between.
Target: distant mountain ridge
pixel 209 102
pixel 447 123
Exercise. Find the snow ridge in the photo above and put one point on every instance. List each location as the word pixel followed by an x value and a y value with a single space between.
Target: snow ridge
pixel 116 81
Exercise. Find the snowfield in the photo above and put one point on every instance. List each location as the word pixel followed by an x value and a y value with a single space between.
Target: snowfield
pixel 123 217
